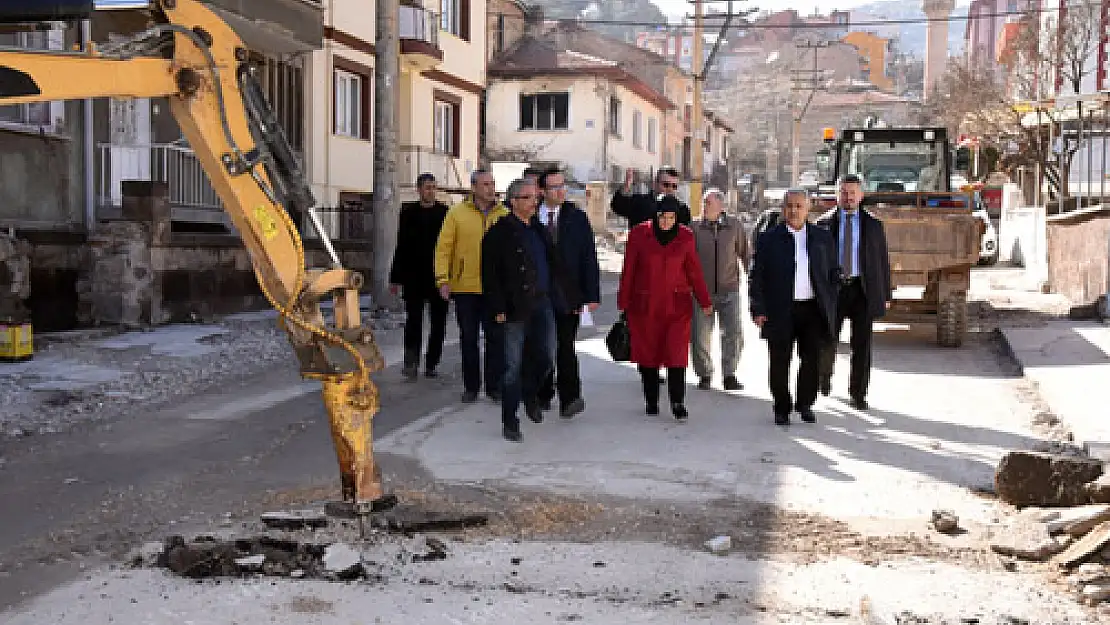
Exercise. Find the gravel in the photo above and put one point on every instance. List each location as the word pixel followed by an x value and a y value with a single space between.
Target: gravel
pixel 83 376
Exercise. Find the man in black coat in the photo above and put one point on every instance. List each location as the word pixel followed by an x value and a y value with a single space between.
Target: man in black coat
pixel 413 273
pixel 574 240
pixel 865 287
pixel 792 295
pixel 524 283
pixel 640 207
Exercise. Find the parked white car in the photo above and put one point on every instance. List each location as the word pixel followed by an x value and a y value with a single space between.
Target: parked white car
pixel 988 248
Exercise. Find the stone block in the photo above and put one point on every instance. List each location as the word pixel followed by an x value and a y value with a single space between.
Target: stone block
pixel 1026 478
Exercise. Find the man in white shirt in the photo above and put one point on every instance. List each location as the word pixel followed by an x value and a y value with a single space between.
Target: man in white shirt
pixel 792 294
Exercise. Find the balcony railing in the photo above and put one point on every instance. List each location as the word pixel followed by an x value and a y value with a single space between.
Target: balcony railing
pixel 175 165
pixel 419 24
pixel 416 160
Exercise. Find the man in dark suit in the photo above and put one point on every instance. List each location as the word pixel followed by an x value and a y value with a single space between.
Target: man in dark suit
pixel 413 273
pixel 524 283
pixel 574 241
pixel 792 297
pixel 865 287
pixel 640 207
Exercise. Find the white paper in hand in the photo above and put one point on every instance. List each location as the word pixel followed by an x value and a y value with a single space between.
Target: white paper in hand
pixel 585 319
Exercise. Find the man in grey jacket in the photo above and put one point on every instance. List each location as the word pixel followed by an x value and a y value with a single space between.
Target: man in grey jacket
pixel 723 248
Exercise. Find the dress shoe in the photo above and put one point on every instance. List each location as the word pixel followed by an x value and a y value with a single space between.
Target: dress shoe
pixel 469 397
pixel 494 396
pixel 534 413
pixel 807 415
pixel 568 411
pixel 859 403
pixel 545 404
pixel 826 386
pixel 511 435
pixel 704 384
pixel 410 372
pixel 782 419
pixel 652 409
pixel 680 412
pixel 431 373
pixel 732 384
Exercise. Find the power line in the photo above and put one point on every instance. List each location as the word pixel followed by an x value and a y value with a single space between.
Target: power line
pixel 810 26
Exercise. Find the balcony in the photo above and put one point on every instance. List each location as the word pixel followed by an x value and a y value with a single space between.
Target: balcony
pixel 415 160
pixel 419 38
pixel 192 197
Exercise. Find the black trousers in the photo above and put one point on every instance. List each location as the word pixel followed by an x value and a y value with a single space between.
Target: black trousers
pixel 565 377
pixel 810 335
pixel 676 384
pixel 852 305
pixel 414 328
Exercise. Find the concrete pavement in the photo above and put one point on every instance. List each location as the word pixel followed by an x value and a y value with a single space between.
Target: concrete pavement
pixel 1070 363
pixel 940 421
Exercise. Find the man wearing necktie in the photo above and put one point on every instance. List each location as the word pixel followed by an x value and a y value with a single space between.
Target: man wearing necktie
pixel 865 287
pixel 574 243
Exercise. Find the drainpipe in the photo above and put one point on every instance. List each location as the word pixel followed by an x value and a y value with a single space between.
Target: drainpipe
pixel 88 141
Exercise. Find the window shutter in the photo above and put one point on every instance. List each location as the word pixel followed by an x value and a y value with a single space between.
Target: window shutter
pixel 367 109
pixel 456 122
pixel 464 19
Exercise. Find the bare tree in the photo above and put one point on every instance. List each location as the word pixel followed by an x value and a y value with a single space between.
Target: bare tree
pixel 1012 107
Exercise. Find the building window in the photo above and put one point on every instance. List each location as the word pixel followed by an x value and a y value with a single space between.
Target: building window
pixel 615 117
pixel 454 17
pixel 637 132
pixel 446 123
pixel 545 111
pixel 651 138
pixel 47 116
pixel 352 99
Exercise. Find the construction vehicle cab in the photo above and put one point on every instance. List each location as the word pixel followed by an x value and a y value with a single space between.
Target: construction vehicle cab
pixel 932 233
pixel 190 56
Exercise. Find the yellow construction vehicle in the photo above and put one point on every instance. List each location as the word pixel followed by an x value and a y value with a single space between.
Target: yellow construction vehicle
pixel 192 57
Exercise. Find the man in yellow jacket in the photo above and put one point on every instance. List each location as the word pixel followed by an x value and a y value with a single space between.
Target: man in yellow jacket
pixel 459 277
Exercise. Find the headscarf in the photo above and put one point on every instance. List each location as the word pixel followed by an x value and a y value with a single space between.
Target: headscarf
pixel 665 204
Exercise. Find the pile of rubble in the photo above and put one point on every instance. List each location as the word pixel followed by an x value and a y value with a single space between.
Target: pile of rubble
pixel 306 545
pixel 1065 518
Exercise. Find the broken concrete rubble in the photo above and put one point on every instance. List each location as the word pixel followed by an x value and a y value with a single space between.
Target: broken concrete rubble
pixel 1026 539
pixel 294 519
pixel 1099 490
pixel 1086 547
pixel 1080 520
pixel 945 521
pixel 1026 478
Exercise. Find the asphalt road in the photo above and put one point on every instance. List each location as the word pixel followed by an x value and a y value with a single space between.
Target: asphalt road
pixel 75 500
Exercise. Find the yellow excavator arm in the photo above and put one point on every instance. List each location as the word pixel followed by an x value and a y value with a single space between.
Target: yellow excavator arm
pixel 192 57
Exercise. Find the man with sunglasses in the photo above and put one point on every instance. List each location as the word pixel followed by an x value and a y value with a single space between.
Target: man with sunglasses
pixel 640 207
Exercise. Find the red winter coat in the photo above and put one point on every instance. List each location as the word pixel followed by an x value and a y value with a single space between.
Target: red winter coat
pixel 658 287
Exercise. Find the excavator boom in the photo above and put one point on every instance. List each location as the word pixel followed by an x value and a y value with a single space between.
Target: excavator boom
pixel 194 59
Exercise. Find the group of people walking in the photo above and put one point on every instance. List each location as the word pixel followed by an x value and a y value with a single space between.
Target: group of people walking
pixel 522 273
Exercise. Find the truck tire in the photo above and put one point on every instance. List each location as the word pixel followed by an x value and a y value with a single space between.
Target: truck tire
pixel 952 320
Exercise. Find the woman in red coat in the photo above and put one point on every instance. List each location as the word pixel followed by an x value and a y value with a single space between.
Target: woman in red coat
pixel 661 278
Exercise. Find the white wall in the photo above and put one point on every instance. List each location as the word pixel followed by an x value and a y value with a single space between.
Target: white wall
pixel 581 147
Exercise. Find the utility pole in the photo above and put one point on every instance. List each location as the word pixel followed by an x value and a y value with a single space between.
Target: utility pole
pixel 804 80
pixel 698 123
pixel 386 208
pixel 700 68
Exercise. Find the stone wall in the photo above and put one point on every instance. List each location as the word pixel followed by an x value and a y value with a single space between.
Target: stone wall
pixel 134 271
pixel 1079 255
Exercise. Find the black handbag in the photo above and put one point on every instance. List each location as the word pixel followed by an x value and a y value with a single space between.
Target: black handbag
pixel 619 341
